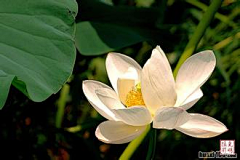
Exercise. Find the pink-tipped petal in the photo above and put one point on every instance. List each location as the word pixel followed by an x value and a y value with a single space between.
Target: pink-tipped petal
pixel 202 126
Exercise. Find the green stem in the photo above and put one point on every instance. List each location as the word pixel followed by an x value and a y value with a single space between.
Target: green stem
pixel 200 30
pixel 152 144
pixel 219 16
pixel 226 41
pixel 155 142
pixel 128 152
pixel 61 105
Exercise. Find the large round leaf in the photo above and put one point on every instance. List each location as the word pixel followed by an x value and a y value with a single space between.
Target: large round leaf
pixel 36 46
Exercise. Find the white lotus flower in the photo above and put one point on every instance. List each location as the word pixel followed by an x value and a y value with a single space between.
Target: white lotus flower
pixel 151 94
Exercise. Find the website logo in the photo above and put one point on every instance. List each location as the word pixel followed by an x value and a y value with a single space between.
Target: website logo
pixel 227 150
pixel 227 147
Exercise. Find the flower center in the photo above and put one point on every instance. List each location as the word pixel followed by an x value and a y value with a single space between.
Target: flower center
pixel 134 97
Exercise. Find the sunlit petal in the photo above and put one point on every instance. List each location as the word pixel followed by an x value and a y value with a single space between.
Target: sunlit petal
pixel 89 89
pixel 117 132
pixel 109 98
pixel 170 117
pixel 126 83
pixel 117 65
pixel 135 115
pixel 158 86
pixel 193 74
pixel 202 126
pixel 192 99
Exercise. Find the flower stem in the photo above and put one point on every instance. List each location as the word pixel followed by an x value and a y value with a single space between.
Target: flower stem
pixel 219 16
pixel 200 30
pixel 152 144
pixel 128 152
pixel 61 105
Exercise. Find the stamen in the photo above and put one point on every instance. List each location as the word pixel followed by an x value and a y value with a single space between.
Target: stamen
pixel 134 97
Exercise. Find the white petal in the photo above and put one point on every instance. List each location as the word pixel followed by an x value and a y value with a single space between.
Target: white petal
pixel 192 99
pixel 158 86
pixel 89 89
pixel 117 132
pixel 126 83
pixel 135 115
pixel 193 74
pixel 109 98
pixel 202 126
pixel 170 117
pixel 117 65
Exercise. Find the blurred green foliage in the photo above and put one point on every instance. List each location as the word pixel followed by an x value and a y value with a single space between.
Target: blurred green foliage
pixel 132 27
